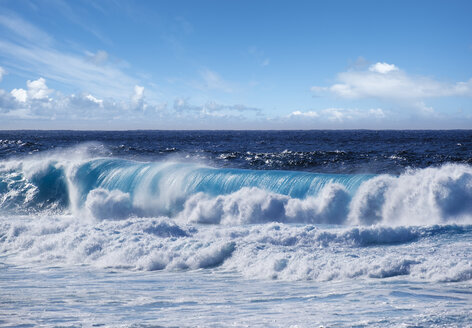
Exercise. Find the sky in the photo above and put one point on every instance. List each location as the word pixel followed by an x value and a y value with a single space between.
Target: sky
pixel 120 65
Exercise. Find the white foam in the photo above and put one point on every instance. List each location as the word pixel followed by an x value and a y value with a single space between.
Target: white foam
pixel 253 205
pixel 418 197
pixel 50 181
pixel 113 205
pixel 267 251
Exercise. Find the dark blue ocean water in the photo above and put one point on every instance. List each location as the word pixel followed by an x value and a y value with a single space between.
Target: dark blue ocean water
pixel 357 151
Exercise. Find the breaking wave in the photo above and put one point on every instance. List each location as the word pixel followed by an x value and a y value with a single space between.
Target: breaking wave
pixel 67 208
pixel 106 188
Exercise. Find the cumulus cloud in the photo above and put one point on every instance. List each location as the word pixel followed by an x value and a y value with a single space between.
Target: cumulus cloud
pixel 386 81
pixel 36 89
pixel 39 101
pixel 20 95
pixel 383 68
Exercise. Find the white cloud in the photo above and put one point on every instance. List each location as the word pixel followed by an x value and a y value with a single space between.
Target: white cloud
pixel 36 89
pixel 137 99
pixel 305 114
pixel 40 102
pixel 2 72
pixel 20 95
pixel 32 51
pixel 336 114
pixel 339 115
pixel 94 100
pixel 383 68
pixel 386 81
pixel 377 112
pixel 138 94
pixel 37 101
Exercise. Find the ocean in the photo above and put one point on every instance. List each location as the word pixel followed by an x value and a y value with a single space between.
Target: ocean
pixel 236 228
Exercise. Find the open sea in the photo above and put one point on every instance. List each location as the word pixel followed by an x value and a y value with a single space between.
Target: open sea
pixel 236 228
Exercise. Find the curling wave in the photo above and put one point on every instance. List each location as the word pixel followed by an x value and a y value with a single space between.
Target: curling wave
pixel 117 189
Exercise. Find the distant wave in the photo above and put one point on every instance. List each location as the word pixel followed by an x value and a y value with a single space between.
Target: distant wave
pixel 108 188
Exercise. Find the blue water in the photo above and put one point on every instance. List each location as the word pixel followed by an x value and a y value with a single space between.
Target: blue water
pixel 314 151
pixel 242 228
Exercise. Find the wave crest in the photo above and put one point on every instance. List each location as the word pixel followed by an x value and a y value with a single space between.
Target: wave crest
pixel 118 189
pixel 426 196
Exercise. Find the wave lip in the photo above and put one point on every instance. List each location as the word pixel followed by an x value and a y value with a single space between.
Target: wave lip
pixel 166 186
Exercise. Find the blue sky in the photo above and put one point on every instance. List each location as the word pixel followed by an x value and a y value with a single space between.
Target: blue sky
pixel 235 64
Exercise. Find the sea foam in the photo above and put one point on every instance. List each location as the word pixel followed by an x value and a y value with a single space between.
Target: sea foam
pixel 267 251
pixel 116 189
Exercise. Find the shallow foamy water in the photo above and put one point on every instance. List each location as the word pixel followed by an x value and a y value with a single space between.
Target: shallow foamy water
pixel 85 296
pixel 64 271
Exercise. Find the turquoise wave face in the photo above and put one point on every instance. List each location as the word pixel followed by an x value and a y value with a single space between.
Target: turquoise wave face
pixel 128 176
pixel 174 182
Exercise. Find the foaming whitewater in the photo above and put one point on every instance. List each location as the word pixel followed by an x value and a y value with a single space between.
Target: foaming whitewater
pixel 176 235
pixel 173 215
pixel 270 251
pixel 171 188
pixel 107 188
